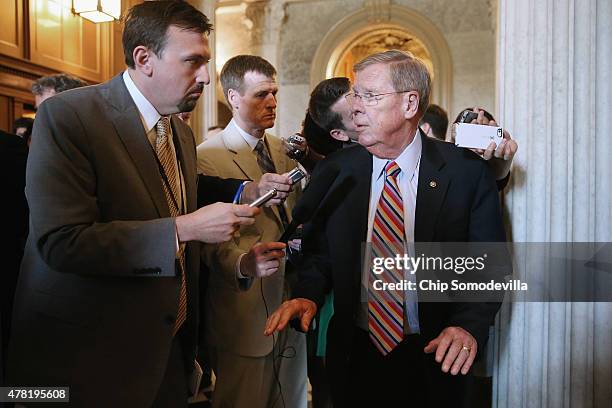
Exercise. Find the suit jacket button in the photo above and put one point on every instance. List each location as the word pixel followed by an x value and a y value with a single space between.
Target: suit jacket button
pixel 170 319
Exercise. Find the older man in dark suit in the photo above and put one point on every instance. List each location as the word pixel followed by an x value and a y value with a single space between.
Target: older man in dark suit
pixel 396 189
pixel 107 299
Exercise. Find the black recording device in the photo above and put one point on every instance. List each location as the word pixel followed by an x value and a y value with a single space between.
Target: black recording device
pixel 310 201
pixel 467 116
pixel 296 139
pixel 297 151
pixel 296 175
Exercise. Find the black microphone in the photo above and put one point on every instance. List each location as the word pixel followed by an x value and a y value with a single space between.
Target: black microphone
pixel 311 199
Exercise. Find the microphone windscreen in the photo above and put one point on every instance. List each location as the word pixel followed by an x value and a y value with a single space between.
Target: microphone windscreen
pixel 308 204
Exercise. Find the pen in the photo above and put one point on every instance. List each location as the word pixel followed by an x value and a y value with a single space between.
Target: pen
pixel 239 192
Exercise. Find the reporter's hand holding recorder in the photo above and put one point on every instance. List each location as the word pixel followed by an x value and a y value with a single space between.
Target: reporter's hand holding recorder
pixel 269 181
pixel 218 222
pixel 214 223
pixel 264 258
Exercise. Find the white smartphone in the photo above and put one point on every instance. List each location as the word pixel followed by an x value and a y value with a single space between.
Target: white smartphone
pixel 477 136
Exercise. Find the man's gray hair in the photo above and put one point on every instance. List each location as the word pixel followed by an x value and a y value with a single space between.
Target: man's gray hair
pixel 408 73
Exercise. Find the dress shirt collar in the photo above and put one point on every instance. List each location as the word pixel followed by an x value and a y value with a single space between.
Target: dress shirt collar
pixel 251 140
pixel 148 114
pixel 408 160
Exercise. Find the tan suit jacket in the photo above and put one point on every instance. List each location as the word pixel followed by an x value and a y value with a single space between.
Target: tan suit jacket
pixel 235 313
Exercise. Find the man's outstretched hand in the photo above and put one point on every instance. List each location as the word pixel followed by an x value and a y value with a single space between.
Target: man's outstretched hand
pixel 299 308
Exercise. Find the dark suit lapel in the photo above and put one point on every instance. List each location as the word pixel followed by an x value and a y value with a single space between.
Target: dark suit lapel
pixel 182 144
pixel 433 184
pixel 358 218
pixel 128 125
pixel 363 176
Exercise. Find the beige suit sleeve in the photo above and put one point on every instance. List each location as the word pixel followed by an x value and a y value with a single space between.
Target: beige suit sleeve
pixel 223 258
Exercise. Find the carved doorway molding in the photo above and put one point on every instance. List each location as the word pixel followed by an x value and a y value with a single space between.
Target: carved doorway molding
pixel 377 40
pixel 378 26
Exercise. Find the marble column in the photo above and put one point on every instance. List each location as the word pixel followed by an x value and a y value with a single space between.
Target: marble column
pixel 205 113
pixel 554 90
pixel 265 19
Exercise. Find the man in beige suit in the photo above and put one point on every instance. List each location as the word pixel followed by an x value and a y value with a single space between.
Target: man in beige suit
pixel 252 370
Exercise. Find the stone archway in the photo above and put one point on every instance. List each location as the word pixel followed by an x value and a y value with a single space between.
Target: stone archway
pixel 376 40
pixel 375 17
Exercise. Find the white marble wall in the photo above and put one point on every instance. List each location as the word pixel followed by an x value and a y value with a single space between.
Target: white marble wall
pixel 554 91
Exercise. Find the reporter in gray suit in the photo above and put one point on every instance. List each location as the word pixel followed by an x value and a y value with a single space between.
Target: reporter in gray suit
pixel 107 300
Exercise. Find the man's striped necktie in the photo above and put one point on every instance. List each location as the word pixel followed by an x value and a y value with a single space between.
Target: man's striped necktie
pixel 386 308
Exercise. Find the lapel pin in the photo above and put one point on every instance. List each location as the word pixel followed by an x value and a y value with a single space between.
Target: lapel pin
pixel 433 184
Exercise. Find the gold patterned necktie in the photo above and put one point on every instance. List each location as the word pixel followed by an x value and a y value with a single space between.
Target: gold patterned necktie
pixel 167 159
